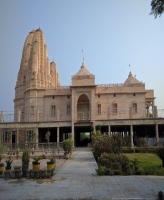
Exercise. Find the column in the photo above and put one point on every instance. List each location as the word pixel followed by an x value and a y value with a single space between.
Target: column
pixel 37 115
pixel 109 130
pixel 17 137
pixel 94 126
pixel 131 135
pixel 2 116
pixel 157 134
pixel 1 135
pixel 58 115
pixel 18 116
pixel 57 135
pixel 73 133
pixel 36 139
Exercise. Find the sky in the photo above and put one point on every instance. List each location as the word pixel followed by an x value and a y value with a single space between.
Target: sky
pixel 112 34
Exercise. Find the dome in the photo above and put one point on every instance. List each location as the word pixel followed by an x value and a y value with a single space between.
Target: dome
pixel 83 71
pixel 131 80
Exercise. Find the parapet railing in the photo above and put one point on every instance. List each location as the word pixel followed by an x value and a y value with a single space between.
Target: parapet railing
pixel 39 147
pixel 66 117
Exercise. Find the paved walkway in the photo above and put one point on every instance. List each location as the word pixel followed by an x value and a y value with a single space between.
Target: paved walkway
pixel 76 179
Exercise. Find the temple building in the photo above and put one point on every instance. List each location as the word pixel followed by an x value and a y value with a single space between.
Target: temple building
pixel 41 104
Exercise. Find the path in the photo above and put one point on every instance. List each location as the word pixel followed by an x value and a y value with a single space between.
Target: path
pixel 77 179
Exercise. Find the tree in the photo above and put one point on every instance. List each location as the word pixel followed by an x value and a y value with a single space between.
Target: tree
pixel 159 152
pixel 157 7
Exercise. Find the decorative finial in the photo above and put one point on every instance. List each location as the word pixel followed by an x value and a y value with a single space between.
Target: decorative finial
pixel 83 55
pixel 130 66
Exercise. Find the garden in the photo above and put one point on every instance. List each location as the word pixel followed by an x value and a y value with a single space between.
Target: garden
pixel 33 163
pixel 114 156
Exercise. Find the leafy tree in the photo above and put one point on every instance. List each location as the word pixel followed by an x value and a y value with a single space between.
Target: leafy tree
pixel 157 7
pixel 159 152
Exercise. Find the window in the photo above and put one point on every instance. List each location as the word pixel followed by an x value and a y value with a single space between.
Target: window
pixel 134 107
pixel 6 136
pixel 53 110
pixel 98 95
pixel 115 108
pixel 99 108
pixel 29 135
pixel 68 110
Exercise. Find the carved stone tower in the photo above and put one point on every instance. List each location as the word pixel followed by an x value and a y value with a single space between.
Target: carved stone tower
pixel 36 74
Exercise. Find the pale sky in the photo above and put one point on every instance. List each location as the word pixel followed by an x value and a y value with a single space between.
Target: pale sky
pixel 112 33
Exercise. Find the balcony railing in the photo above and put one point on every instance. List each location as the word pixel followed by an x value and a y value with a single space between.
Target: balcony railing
pixel 83 116
pixel 64 116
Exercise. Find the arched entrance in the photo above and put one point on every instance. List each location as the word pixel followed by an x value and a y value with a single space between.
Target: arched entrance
pixel 83 108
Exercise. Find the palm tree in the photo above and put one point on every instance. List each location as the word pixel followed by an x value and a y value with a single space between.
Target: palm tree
pixel 160 153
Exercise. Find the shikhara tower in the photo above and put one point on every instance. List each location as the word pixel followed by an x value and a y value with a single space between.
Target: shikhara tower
pixel 36 74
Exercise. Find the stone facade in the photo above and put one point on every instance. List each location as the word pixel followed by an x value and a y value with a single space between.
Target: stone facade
pixel 39 98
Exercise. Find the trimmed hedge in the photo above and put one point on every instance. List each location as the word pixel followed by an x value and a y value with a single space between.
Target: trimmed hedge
pixel 138 150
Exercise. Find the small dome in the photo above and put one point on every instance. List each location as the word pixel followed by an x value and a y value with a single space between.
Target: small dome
pixel 131 80
pixel 83 71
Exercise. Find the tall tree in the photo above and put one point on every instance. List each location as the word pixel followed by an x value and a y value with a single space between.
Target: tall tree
pixel 157 7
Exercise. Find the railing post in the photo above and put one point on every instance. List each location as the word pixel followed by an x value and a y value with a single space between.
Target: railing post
pixel 2 116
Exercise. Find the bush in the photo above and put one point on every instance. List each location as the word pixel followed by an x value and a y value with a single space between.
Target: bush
pixel 114 162
pixel 160 195
pixel 103 143
pixel 140 171
pixel 118 172
pixel 68 145
pixel 128 150
pixel 141 150
pixel 101 170
pixel 159 152
pixel 141 141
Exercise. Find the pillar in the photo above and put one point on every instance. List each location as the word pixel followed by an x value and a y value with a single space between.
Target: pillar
pixel 131 135
pixel 94 126
pixel 1 135
pixel 73 133
pixel 36 138
pixel 58 115
pixel 37 115
pixel 17 136
pixel 57 134
pixel 2 116
pixel 157 134
pixel 109 130
pixel 18 116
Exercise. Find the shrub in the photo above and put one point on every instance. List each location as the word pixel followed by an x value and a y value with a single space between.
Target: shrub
pixel 26 157
pixel 68 145
pixel 101 170
pixel 118 172
pixel 103 143
pixel 141 141
pixel 114 162
pixel 140 171
pixel 128 150
pixel 160 195
pixel 2 151
pixel 126 141
pixel 159 152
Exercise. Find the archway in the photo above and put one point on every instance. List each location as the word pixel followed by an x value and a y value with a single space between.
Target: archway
pixel 83 108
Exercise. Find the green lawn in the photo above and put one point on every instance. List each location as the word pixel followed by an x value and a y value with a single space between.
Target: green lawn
pixel 149 162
